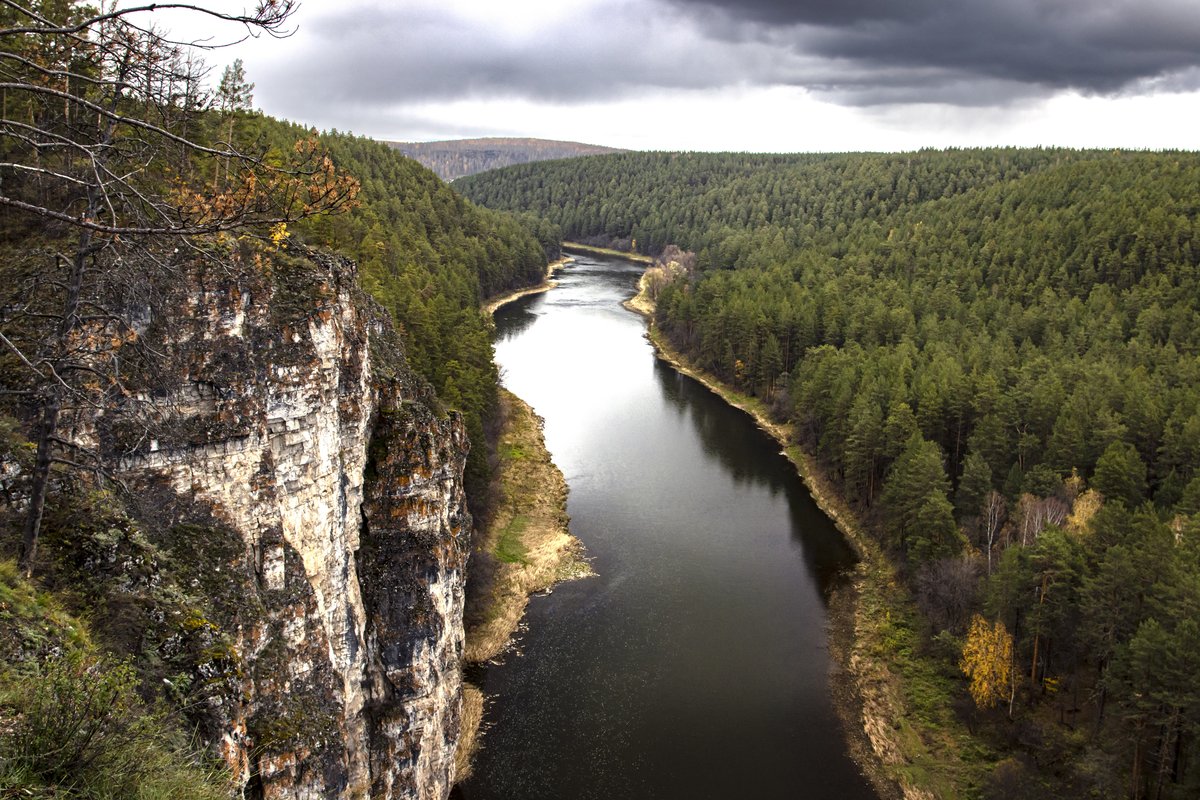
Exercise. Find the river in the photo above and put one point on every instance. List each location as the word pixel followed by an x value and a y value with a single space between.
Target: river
pixel 695 665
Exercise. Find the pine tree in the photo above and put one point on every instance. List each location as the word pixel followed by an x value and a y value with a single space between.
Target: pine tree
pixel 235 93
pixel 973 487
pixel 912 489
pixel 1121 475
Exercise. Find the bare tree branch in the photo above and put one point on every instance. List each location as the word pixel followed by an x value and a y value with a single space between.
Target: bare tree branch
pixel 269 17
pixel 100 137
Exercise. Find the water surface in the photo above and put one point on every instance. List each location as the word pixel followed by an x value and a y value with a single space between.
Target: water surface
pixel 695 665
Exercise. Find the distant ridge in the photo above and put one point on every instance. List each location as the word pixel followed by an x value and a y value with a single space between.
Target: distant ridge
pixel 455 158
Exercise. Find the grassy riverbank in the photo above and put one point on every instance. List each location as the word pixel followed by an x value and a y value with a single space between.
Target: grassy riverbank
pixel 896 704
pixel 604 251
pixel 526 549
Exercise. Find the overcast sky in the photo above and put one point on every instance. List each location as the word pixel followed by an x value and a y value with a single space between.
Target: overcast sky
pixel 760 75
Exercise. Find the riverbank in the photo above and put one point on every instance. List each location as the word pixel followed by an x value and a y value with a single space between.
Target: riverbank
pixel 526 548
pixel 604 251
pixel 548 283
pixel 891 701
pixel 641 303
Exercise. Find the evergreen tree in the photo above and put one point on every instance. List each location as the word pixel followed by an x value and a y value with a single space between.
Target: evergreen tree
pixel 1121 475
pixel 234 92
pixel 916 485
pixel 864 447
pixel 935 535
pixel 973 487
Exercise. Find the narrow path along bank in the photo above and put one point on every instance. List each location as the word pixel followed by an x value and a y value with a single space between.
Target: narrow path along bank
pixel 910 752
pixel 636 258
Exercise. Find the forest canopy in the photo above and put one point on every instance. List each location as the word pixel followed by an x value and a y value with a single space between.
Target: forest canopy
pixel 996 353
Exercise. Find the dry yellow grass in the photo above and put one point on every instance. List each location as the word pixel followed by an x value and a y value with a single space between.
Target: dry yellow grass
pixel 605 251
pixel 527 546
pixel 468 740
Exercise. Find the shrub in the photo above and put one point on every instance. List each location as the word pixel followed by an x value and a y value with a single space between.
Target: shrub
pixel 73 726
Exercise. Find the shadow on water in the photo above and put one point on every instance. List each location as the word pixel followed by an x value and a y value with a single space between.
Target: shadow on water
pixel 516 317
pixel 827 554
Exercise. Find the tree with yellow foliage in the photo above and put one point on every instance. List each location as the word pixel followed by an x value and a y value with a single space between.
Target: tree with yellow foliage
pixel 987 660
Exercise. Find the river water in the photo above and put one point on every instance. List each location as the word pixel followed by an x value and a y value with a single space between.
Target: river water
pixel 695 664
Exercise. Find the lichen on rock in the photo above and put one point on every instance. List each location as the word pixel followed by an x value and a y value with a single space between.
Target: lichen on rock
pixel 295 462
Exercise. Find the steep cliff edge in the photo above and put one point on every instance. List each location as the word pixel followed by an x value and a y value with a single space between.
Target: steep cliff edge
pixel 299 481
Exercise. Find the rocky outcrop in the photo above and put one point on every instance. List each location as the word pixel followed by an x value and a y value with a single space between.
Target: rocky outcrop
pixel 298 463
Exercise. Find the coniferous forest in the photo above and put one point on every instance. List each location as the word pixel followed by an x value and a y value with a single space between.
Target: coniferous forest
pixel 996 355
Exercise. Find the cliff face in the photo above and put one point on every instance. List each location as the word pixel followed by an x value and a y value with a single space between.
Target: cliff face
pixel 460 157
pixel 299 467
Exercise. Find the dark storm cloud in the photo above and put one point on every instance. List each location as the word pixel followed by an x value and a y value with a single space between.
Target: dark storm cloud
pixel 608 51
pixel 363 56
pixel 1011 47
pixel 812 12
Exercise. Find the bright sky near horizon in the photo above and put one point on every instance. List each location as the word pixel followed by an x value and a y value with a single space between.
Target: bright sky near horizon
pixel 754 75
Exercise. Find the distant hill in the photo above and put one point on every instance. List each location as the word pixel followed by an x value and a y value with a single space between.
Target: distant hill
pixel 458 157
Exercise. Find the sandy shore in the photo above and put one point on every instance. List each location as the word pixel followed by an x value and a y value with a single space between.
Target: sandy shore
pixel 490 306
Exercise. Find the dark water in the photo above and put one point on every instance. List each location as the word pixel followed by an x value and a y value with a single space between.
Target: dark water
pixel 695 665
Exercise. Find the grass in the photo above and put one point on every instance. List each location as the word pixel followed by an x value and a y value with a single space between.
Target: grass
pixel 510 547
pixel 32 621
pixel 526 547
pixel 73 725
pixel 935 752
pixel 513 451
pixel 468 743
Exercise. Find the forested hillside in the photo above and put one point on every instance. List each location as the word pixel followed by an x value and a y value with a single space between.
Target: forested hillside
pixel 455 158
pixel 996 354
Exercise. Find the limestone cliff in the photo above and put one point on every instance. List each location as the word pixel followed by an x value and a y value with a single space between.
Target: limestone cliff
pixel 315 490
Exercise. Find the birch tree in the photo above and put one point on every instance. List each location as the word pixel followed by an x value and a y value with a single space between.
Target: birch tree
pixel 987 660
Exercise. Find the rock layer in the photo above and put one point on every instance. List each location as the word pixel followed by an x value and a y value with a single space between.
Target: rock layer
pixel 280 412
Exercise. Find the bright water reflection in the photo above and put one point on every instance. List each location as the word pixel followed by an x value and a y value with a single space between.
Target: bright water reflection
pixel 695 665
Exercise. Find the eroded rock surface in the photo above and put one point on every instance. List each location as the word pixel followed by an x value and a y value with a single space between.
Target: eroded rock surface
pixel 316 477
